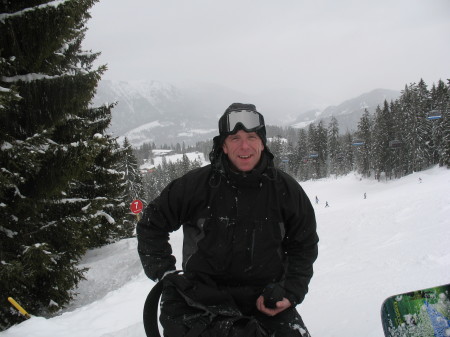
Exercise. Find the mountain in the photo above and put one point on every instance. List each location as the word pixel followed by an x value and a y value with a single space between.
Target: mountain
pixel 163 113
pixel 349 112
pixel 151 111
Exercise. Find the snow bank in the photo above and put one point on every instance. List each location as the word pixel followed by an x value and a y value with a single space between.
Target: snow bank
pixel 393 241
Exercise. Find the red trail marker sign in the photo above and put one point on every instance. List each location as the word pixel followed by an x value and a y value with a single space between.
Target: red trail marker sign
pixel 136 206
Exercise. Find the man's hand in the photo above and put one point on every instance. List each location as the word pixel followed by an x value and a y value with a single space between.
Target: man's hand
pixel 281 306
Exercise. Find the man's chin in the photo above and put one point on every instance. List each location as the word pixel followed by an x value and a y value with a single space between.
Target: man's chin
pixel 245 167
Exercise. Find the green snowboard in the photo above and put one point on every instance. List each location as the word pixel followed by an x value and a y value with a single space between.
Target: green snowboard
pixel 421 313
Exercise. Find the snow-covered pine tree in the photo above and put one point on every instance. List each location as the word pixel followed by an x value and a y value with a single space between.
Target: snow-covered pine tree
pixel 334 148
pixel 104 190
pixel 382 135
pixel 399 157
pixel 414 115
pixel 276 145
pixel 129 168
pixel 322 150
pixel 51 143
pixel 347 153
pixel 440 97
pixel 363 158
pixel 426 145
pixel 289 158
pixel 312 152
pixel 184 165
pixel 301 155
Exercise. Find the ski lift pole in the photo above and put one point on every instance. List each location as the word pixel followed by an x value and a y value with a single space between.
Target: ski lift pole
pixel 18 307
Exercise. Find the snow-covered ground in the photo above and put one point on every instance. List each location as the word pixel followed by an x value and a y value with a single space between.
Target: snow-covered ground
pixel 395 240
pixel 160 154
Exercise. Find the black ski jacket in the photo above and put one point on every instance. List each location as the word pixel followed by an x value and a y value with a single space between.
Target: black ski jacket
pixel 239 229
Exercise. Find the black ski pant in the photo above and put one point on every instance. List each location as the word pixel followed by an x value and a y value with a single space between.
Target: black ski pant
pixel 175 311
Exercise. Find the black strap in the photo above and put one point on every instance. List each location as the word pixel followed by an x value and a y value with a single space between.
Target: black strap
pixel 150 315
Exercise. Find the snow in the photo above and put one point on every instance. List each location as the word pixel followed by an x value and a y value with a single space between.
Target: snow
pixel 192 132
pixel 138 135
pixel 172 158
pixel 141 88
pixel 108 217
pixel 6 146
pixel 27 78
pixel 277 139
pixel 55 3
pixel 150 125
pixel 302 125
pixel 394 241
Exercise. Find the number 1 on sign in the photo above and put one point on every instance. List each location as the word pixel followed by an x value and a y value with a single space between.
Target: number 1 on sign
pixel 136 207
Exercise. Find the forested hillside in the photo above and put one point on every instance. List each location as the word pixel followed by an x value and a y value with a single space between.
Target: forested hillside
pixel 406 135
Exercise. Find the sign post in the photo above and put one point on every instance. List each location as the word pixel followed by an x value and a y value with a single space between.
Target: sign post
pixel 136 207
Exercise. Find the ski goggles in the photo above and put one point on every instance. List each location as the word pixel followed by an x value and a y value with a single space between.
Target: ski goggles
pixel 247 120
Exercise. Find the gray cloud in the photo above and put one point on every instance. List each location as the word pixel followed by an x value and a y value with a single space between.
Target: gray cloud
pixel 322 52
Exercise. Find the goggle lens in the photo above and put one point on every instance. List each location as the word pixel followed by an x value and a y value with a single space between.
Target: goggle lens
pixel 250 120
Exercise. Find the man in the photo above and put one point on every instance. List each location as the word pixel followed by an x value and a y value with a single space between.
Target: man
pixel 250 237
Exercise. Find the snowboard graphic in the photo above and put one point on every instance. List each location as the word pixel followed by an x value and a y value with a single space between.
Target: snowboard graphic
pixel 421 313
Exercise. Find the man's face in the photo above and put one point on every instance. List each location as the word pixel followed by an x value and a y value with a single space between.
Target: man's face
pixel 243 149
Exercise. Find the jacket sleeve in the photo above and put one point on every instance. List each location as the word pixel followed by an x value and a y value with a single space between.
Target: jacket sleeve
pixel 162 216
pixel 300 245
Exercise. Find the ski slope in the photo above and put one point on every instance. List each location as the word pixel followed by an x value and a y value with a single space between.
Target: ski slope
pixel 395 240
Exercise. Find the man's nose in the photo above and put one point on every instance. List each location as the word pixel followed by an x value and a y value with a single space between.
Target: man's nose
pixel 244 144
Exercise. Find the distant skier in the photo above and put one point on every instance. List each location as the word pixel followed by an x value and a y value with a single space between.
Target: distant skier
pixel 420 180
pixel 365 195
pixel 326 204
pixel 317 200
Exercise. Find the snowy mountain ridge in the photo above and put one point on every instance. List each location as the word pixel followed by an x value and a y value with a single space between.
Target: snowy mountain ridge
pixel 152 111
pixel 349 112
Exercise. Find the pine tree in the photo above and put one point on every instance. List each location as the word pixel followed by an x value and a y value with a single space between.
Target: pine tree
pixel 399 158
pixel 289 159
pixel 277 148
pixel 440 97
pixel 347 162
pixel 414 112
pixel 334 147
pixel 129 168
pixel 312 156
pixel 184 165
pixel 426 145
pixel 104 189
pixel 301 158
pixel 52 146
pixel 156 180
pixel 322 150
pixel 364 153
pixel 381 138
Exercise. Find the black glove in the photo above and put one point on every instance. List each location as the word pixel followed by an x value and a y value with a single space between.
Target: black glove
pixel 272 294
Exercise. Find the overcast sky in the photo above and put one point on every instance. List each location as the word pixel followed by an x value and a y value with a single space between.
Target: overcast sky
pixel 322 50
